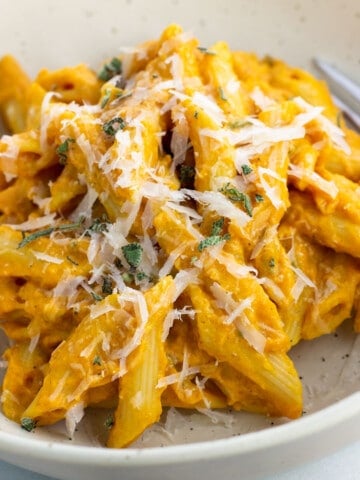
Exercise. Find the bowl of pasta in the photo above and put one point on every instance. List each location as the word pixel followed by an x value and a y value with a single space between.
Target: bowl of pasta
pixel 179 238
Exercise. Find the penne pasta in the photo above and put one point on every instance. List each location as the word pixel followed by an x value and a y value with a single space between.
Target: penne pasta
pixel 170 227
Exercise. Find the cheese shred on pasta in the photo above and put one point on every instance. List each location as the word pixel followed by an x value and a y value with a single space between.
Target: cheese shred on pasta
pixel 170 227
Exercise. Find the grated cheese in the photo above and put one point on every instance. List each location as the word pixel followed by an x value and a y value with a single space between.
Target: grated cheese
pixel 234 268
pixel 84 208
pixel 175 314
pixel 334 133
pixel 260 99
pixel 137 298
pixel 314 179
pixel 201 387
pixel 218 417
pixel 73 417
pixel 237 316
pixel 35 223
pixel 272 192
pixel 47 258
pixel 59 387
pixel 183 279
pixel 100 308
pixel 269 235
pixel 34 342
pixel 170 261
pixel 302 281
pixel 217 202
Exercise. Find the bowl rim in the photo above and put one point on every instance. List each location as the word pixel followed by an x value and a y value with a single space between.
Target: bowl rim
pixel 314 423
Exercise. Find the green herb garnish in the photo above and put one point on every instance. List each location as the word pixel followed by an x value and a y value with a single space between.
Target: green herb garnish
pixel 107 287
pixel 187 176
pixel 28 424
pixel 96 296
pixel 48 231
pixel 215 236
pixel 106 98
pixel 212 240
pixel 238 124
pixel 272 262
pixel 269 60
pixel 133 254
pixel 339 119
pixel 72 261
pixel 222 94
pixel 217 227
pixel 141 276
pixel 258 197
pixel 235 195
pixel 109 93
pixel 63 149
pixel 109 422
pixel 97 360
pixel 128 277
pixel 246 169
pixel 99 225
pixel 113 126
pixel 206 51
pixel 109 70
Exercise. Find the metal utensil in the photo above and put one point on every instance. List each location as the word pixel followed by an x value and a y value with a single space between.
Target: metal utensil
pixel 345 92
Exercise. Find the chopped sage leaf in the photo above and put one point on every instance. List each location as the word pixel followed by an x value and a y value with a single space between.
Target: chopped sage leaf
pixel 107 287
pixel 238 124
pixel 222 94
pixel 48 231
pixel 235 195
pixel 109 422
pixel 99 225
pixel 63 149
pixel 206 51
pixel 246 169
pixel 71 260
pixel 272 262
pixel 28 424
pixel 106 98
pixel 128 277
pixel 113 126
pixel 217 227
pixel 133 254
pixel 339 119
pixel 212 240
pixel 141 276
pixel 96 296
pixel 215 236
pixel 97 360
pixel 109 70
pixel 269 60
pixel 187 176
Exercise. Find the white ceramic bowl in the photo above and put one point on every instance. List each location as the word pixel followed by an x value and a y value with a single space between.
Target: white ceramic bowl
pixel 52 34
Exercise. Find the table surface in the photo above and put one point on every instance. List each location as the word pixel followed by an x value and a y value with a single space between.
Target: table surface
pixel 344 464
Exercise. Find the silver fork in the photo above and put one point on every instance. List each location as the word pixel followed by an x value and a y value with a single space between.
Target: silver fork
pixel 345 92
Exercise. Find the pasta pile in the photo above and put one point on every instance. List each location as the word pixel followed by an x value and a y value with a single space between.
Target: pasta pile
pixel 170 227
